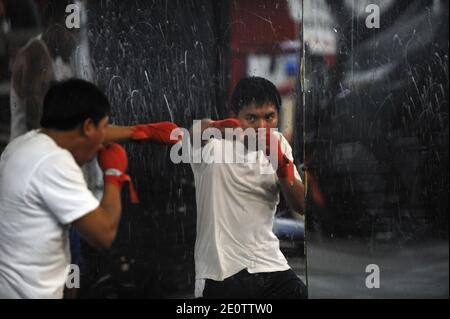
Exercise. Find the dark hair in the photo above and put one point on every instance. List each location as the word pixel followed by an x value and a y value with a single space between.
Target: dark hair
pixel 69 103
pixel 254 90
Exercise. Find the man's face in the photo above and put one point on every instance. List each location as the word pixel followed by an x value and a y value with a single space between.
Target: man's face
pixel 256 117
pixel 94 136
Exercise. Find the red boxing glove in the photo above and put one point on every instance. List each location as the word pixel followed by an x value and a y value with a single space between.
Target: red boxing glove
pixel 227 123
pixel 113 156
pixel 158 132
pixel 113 161
pixel 285 167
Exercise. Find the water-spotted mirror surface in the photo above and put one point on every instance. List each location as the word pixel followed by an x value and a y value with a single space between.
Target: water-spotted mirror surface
pixel 364 89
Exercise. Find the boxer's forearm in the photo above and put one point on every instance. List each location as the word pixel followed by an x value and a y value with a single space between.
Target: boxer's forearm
pixel 118 134
pixel 112 205
pixel 159 133
pixel 294 194
pixel 99 227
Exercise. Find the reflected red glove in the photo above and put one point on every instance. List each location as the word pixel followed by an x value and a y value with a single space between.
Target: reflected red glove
pixel 227 123
pixel 157 132
pixel 285 167
pixel 113 161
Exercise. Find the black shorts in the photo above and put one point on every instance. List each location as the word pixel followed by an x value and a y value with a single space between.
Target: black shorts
pixel 266 285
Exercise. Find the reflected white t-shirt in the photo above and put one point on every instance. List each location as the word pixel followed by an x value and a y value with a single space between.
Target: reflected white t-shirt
pixel 42 191
pixel 236 206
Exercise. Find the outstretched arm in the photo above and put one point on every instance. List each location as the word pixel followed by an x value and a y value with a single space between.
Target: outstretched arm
pixel 221 125
pixel 118 134
pixel 154 132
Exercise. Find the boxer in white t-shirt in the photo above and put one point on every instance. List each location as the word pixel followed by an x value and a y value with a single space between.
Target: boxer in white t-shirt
pixel 43 192
pixel 237 254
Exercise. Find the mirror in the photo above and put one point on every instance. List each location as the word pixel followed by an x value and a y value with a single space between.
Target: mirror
pixel 364 88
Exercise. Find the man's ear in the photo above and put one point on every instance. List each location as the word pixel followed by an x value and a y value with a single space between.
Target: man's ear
pixel 88 128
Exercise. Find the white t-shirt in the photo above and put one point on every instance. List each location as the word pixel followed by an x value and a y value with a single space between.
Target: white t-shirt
pixel 42 191
pixel 236 205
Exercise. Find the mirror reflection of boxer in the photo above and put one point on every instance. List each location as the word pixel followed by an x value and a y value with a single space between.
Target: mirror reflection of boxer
pixel 236 253
pixel 43 191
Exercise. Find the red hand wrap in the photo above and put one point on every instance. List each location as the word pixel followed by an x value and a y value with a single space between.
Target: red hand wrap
pixel 158 132
pixel 113 161
pixel 285 167
pixel 114 157
pixel 118 181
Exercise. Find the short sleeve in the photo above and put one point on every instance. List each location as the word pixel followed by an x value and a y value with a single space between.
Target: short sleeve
pixel 287 150
pixel 61 185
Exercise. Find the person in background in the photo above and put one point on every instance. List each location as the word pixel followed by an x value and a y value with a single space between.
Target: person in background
pixel 44 59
